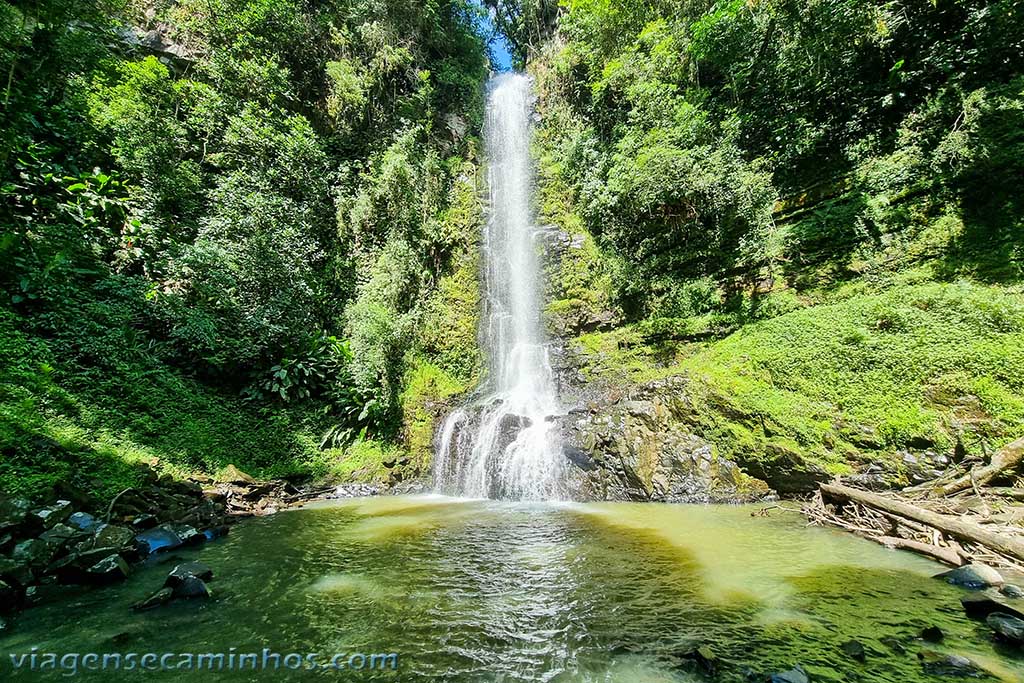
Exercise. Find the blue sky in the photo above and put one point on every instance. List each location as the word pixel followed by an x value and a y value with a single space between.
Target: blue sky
pixel 502 58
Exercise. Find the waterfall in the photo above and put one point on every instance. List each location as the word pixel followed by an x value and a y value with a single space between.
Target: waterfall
pixel 503 444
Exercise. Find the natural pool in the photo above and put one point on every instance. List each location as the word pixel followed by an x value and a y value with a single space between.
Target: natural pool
pixel 487 591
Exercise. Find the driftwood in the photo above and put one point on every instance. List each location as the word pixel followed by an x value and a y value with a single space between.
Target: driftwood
pixel 1004 460
pixel 938 552
pixel 1006 492
pixel 957 528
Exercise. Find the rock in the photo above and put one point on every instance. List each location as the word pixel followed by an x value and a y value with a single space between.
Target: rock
pixel 82 521
pixel 111 536
pixel 1008 628
pixel 167 537
pixel 144 522
pixel 216 532
pixel 980 606
pixel 16 571
pixel 794 675
pixel 161 597
pixel 48 517
pixel 60 536
pixel 35 552
pixel 6 543
pixel 932 634
pixel 702 658
pixel 974 576
pixel 13 512
pixel 188 569
pixel 942 664
pixel 233 475
pixel 108 570
pixel 191 587
pixel 854 649
pixel 1012 591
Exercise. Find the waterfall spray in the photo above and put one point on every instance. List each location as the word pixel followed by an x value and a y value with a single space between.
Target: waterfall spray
pixel 502 444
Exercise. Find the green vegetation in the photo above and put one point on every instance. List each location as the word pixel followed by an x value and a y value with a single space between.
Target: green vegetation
pixel 228 232
pixel 809 208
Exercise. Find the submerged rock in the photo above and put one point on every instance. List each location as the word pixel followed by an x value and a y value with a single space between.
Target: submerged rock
pixel 980 606
pixel 1007 628
pixel 185 570
pixel 974 576
pixel 794 675
pixel 942 664
pixel 932 634
pixel 854 649
pixel 108 570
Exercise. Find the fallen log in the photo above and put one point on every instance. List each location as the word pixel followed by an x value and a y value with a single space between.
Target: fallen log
pixel 1006 492
pixel 965 531
pixel 947 555
pixel 1006 458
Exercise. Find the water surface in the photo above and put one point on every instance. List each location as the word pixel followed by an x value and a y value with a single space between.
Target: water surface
pixel 486 591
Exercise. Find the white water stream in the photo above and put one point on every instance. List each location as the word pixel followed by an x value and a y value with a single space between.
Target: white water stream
pixel 502 445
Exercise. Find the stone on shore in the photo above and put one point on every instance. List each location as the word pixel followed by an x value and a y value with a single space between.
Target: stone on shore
pixel 974 576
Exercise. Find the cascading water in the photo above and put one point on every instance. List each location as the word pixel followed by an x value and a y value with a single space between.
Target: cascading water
pixel 502 445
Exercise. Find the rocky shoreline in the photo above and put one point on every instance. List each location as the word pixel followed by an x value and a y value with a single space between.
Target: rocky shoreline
pixel 50 552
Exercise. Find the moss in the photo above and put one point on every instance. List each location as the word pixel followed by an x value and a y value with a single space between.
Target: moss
pixel 426 399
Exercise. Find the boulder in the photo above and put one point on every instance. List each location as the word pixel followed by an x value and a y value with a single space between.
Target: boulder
pixel 974 576
pixel 167 537
pixel 191 587
pixel 6 543
pixel 233 475
pixel 942 664
pixel 980 606
pixel 35 552
pixel 82 521
pixel 60 536
pixel 108 570
pixel 144 522
pixel 161 597
pixel 75 567
pixel 48 517
pixel 188 569
pixel 16 571
pixel 1007 628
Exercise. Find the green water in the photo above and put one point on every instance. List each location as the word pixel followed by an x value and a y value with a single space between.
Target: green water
pixel 484 591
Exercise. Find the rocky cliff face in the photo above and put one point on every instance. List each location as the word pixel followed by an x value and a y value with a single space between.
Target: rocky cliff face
pixel 636 446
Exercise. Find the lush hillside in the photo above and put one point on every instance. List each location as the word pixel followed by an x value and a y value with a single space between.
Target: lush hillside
pixel 811 208
pixel 232 232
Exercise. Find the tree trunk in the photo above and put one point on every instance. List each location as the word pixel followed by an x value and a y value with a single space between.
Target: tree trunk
pixel 1006 458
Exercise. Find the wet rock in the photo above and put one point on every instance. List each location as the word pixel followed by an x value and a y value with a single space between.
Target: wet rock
pixel 6 543
pixel 794 675
pixel 15 571
pixel 233 475
pixel 75 567
pixel 191 587
pixel 854 650
pixel 974 576
pixel 60 536
pixel 980 606
pixel 1012 591
pixel 942 664
pixel 50 516
pixel 108 570
pixel 161 597
pixel 216 532
pixel 1007 628
pixel 637 447
pixel 186 570
pixel 932 634
pixel 168 537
